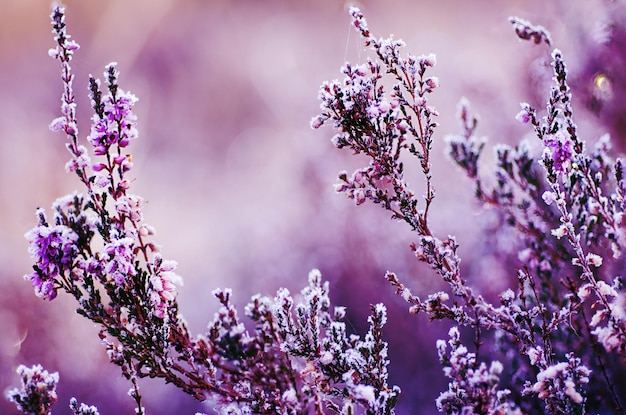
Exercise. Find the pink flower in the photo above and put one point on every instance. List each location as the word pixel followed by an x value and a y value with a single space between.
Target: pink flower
pixel 163 285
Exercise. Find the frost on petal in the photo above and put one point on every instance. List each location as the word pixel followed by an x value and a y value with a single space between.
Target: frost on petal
pixel 326 358
pixel 560 232
pixel 559 149
pixel 570 390
pixel 548 197
pixel 58 124
pixel 594 259
pixel 523 117
pixel 38 390
pixel 163 285
pixel 365 393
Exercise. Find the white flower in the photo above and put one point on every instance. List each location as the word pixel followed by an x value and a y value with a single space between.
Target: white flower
pixel 496 368
pixel 560 231
pixel 570 391
pixel 290 396
pixel 605 289
pixel 535 354
pixel 365 393
pixel 584 291
pixel 548 197
pixel 593 259
pixel 326 358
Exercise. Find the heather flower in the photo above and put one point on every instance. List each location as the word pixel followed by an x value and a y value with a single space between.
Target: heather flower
pixel 163 285
pixel 120 264
pixel 560 232
pixel 54 251
pixel 473 387
pixel 561 192
pixel 38 391
pixel 526 31
pixel 610 308
pixel 114 121
pixel 365 393
pixel 559 150
pixel 557 385
pixel 80 162
pixel 594 259
pixel 129 206
pixel 83 409
pixel 466 148
pixel 63 52
pixel 548 197
pixel 523 116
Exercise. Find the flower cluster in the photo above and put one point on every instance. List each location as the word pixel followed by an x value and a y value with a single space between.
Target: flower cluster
pixel 473 387
pixel 375 122
pixel 113 128
pixel 163 284
pixel 565 207
pixel 557 383
pixel 297 359
pixel 613 312
pixel 38 391
pixel 54 249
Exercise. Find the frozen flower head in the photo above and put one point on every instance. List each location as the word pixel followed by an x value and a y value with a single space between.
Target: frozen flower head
pixel 38 391
pixel 129 206
pixel 526 31
pixel 558 150
pixel 113 126
pixel 163 285
pixel 120 264
pixel 359 22
pixel 562 381
pixel 523 116
pixel 54 250
pixel 117 124
pixel 365 393
pixel 82 409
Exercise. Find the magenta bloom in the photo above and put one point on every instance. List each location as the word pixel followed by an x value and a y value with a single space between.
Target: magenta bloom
pixel 560 150
pixel 163 285
pixel 38 391
pixel 121 260
pixel 54 249
pixel 117 125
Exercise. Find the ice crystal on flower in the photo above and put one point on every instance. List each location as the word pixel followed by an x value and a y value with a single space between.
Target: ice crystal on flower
pixel 38 390
pixel 54 251
pixel 559 149
pixel 163 285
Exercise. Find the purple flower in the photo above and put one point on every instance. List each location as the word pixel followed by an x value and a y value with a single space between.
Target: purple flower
pixel 523 116
pixel 121 260
pixel 82 409
pixel 80 162
pixel 114 122
pixel 163 285
pixel 54 250
pixel 129 206
pixel 117 126
pixel 38 391
pixel 559 150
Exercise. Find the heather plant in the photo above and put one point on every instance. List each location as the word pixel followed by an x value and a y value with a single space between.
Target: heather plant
pixel 562 323
pixel 556 337
pixel 298 357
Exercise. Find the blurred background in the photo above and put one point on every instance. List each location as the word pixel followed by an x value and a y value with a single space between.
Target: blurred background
pixel 237 185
